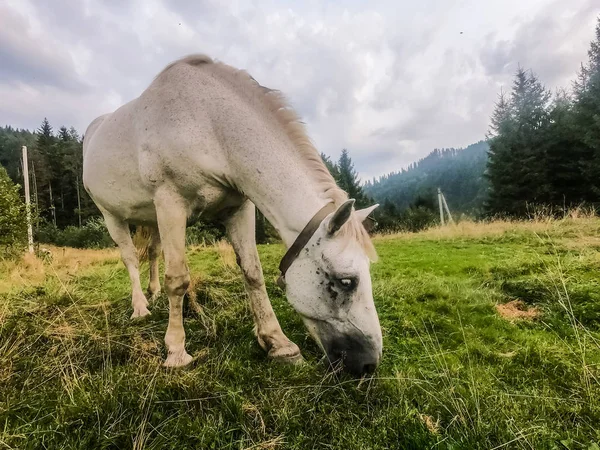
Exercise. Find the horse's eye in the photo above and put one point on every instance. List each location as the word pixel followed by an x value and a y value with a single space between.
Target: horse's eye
pixel 348 283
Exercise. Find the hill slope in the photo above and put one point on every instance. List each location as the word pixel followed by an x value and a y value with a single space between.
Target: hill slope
pixel 458 172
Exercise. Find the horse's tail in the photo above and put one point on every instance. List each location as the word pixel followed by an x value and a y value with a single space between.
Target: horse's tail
pixel 141 240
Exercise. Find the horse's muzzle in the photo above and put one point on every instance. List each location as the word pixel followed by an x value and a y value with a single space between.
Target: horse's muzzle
pixel 355 353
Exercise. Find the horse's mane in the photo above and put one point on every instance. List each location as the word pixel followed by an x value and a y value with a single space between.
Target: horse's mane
pixel 287 117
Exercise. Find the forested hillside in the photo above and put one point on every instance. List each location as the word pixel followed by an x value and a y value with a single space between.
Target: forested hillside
pixel 458 172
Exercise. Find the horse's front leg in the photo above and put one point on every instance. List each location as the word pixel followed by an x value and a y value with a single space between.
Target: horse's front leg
pixel 171 215
pixel 241 233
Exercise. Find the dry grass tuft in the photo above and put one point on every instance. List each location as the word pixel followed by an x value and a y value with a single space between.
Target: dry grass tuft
pixel 146 346
pixel 27 271
pixel 517 310
pixel 64 262
pixel 581 242
pixel 432 425
pixel 577 220
pixel 192 291
pixel 582 213
pixel 253 412
pixel 276 442
pixel 70 260
pixel 63 330
pixel 226 254
pixel 207 322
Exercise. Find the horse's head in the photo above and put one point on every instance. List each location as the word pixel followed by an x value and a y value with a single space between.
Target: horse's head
pixel 329 284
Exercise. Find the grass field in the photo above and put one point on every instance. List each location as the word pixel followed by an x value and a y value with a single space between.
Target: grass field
pixel 75 372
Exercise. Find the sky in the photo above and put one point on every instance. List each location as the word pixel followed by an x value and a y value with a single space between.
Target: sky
pixel 390 80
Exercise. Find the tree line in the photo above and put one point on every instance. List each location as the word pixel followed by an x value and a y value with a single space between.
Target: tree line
pixel 545 147
pixel 64 214
pixel 55 170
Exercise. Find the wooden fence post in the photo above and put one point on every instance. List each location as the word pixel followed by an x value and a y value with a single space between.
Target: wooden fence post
pixel 27 200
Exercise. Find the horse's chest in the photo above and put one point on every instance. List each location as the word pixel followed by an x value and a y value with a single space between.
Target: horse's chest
pixel 214 201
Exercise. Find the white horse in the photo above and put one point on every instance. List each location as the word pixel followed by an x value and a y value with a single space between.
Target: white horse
pixel 206 138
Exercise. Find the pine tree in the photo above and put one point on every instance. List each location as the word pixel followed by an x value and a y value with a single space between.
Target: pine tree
pixel 64 134
pixel 331 166
pixel 518 143
pixel 69 152
pixel 44 167
pixel 349 182
pixel 565 155
pixel 587 117
pixel 501 116
pixel 581 83
pixel 45 135
pixel 590 69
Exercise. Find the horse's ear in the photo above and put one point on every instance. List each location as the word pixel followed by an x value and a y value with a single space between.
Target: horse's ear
pixel 340 217
pixel 362 214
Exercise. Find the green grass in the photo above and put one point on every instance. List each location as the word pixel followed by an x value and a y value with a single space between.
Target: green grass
pixel 75 372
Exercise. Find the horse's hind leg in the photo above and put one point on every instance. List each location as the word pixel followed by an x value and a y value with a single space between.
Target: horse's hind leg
pixel 171 213
pixel 241 232
pixel 154 250
pixel 119 232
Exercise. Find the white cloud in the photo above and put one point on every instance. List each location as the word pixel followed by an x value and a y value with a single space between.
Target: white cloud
pixel 387 80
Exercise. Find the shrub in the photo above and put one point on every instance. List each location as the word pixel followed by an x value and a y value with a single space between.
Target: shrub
pixel 413 220
pixel 417 218
pixel 201 233
pixel 13 216
pixel 91 235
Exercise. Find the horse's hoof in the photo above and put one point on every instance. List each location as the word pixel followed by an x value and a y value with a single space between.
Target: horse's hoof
pixel 294 360
pixel 153 295
pixel 178 359
pixel 139 312
pixel 288 355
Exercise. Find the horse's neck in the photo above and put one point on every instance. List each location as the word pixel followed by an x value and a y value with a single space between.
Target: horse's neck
pixel 283 190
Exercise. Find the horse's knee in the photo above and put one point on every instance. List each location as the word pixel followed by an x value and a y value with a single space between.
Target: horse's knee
pixel 130 259
pixel 177 284
pixel 253 277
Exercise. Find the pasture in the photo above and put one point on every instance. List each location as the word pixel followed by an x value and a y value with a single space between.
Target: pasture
pixel 76 372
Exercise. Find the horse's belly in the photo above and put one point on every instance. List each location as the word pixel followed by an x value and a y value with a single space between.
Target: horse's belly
pixel 123 200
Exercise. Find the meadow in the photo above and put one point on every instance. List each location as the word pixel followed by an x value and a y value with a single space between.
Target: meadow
pixel 491 340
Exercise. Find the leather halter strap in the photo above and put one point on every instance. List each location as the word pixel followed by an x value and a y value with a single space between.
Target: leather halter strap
pixel 302 240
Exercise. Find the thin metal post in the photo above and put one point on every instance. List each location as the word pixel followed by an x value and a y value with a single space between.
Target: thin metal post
pixel 447 209
pixel 27 200
pixel 52 208
pixel 441 207
pixel 78 201
pixel 35 197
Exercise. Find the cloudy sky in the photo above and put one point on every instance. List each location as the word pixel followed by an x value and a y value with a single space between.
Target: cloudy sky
pixel 388 79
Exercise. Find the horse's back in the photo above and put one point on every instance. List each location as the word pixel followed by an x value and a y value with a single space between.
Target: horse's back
pixel 179 132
